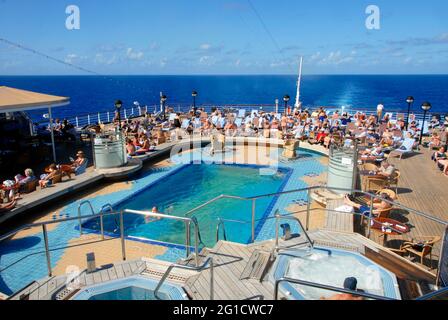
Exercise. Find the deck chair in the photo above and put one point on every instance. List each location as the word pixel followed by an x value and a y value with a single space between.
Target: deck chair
pixel 29 186
pixel 393 181
pixel 420 248
pixel 172 117
pixel 375 184
pixel 215 120
pixel 241 113
pixel 185 124
pixel 406 148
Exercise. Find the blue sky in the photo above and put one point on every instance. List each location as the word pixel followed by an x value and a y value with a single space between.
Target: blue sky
pixel 226 37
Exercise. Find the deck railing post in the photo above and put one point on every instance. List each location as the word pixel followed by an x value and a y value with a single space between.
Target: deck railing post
pixel 99 118
pixel 108 116
pixel 77 122
pixel 308 207
pixel 47 249
pixel 102 224
pixel 88 119
pixel 253 220
pixel 196 244
pixel 369 222
pixel 187 237
pixel 212 285
pixel 123 246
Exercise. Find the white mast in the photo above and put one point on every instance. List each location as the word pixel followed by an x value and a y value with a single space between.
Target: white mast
pixel 298 104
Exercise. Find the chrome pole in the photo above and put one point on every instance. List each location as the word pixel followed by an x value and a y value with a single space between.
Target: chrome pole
pixel 308 207
pixel 187 237
pixel 370 217
pixel 442 249
pixel 123 248
pixel 47 249
pixel 253 220
pixel 102 224
pixel 196 244
pixel 212 285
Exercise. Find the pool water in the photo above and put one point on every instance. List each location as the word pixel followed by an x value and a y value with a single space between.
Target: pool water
pixel 129 293
pixel 190 187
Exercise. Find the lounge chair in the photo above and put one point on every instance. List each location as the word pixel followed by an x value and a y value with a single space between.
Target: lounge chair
pixel 420 248
pixel 406 148
pixel 393 180
pixel 241 113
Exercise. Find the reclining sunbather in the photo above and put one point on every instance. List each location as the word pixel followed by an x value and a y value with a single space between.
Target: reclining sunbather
pixel 377 206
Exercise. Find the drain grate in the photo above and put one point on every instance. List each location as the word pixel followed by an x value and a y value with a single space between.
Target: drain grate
pixel 160 274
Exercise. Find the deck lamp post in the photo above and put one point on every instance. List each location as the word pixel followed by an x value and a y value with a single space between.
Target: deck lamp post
pixel 118 105
pixel 426 106
pixel 286 99
pixel 163 100
pixel 410 101
pixel 194 94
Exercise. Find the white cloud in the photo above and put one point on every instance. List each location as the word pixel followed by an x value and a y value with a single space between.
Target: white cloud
pixel 205 46
pixel 70 58
pixel 134 55
pixel 337 58
pixel 102 59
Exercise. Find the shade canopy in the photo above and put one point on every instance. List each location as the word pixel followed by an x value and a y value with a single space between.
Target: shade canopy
pixel 13 100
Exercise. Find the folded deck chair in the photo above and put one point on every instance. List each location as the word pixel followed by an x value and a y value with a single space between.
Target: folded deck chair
pixel 185 124
pixel 241 113
pixel 406 148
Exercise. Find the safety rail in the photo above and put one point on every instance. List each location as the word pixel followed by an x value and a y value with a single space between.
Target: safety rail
pixel 325 287
pixel 87 119
pixel 186 267
pixel 434 295
pixel 188 222
pixel 370 196
pixel 82 203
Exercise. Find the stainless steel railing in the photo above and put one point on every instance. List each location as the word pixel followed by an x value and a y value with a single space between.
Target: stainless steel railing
pixel 325 287
pixel 188 222
pixel 209 261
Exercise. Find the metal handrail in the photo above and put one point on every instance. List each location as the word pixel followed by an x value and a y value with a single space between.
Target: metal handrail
pixel 79 212
pixel 188 222
pixel 435 294
pixel 325 287
pixel 370 195
pixel 218 226
pixel 186 267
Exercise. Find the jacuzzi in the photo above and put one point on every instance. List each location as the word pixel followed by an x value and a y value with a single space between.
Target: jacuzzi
pixel 331 267
pixel 131 288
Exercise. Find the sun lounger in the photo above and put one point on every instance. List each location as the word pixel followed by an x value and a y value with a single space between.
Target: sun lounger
pixel 406 148
pixel 241 113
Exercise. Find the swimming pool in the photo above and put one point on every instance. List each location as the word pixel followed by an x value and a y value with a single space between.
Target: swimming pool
pixel 132 288
pixel 332 267
pixel 191 186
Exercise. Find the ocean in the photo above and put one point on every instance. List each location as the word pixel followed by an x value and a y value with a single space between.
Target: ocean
pixel 90 94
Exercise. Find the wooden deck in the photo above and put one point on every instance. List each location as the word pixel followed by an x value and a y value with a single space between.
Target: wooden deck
pixel 422 187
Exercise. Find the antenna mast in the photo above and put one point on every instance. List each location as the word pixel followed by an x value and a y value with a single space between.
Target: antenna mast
pixel 298 104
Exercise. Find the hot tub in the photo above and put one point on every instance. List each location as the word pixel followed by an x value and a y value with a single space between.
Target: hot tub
pixel 131 288
pixel 331 267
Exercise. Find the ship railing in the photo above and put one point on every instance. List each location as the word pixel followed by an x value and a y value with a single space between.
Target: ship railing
pixel 208 262
pixel 87 119
pixel 325 287
pixel 44 225
pixel 370 200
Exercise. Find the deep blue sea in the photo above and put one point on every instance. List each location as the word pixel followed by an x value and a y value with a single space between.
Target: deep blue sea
pixel 91 94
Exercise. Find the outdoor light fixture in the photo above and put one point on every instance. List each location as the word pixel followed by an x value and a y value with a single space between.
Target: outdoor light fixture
pixel 118 105
pixel 163 100
pixel 426 106
pixel 286 98
pixel 410 101
pixel 194 94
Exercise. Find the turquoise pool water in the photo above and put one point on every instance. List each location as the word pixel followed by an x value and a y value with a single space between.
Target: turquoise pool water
pixel 129 293
pixel 190 187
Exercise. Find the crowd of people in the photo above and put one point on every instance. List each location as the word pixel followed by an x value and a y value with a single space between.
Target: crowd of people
pixel 11 190
pixel 379 132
